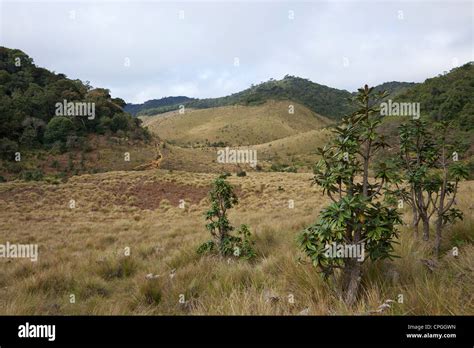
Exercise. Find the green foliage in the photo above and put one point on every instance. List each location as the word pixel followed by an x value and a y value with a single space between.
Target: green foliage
pixel 223 198
pixel 446 97
pixel 163 104
pixel 360 211
pixel 58 129
pixel 206 247
pixel 32 175
pixel 119 122
pixel 7 149
pixel 28 97
pixel 430 165
pixel 330 102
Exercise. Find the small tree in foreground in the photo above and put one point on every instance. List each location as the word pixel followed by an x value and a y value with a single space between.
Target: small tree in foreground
pixel 417 154
pixel 448 175
pixel 223 242
pixel 361 214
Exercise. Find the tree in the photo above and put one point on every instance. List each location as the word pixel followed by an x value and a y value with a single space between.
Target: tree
pixel 450 172
pixel 417 154
pixel 119 122
pixel 223 198
pixel 361 213
pixel 433 172
pixel 58 129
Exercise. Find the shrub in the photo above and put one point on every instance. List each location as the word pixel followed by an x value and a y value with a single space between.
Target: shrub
pixel 223 198
pixel 32 175
pixel 58 129
pixel 7 149
pixel 119 122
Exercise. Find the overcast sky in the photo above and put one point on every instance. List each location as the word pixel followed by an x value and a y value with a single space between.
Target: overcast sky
pixel 150 49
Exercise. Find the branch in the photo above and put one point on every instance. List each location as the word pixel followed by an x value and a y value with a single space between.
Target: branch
pixel 448 206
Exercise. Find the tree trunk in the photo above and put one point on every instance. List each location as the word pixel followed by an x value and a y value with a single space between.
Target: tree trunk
pixel 351 281
pixel 439 229
pixel 416 221
pixel 426 227
pixel 423 215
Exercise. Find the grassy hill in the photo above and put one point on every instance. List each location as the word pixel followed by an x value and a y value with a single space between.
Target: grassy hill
pixel 235 125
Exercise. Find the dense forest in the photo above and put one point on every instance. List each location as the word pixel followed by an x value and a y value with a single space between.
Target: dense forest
pixel 29 98
pixel 449 96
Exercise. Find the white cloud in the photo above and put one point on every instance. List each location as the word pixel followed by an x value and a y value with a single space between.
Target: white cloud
pixel 194 56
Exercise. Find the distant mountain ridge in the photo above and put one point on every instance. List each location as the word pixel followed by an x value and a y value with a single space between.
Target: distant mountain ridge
pixel 134 109
pixel 327 101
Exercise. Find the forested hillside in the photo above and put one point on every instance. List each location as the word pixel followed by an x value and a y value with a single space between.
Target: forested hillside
pixel 28 105
pixel 156 103
pixel 448 96
pixel 39 112
pixel 326 101
pixel 330 102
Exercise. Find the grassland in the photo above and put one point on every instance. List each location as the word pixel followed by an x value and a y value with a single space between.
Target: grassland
pixel 192 139
pixel 82 251
pixel 97 154
pixel 235 125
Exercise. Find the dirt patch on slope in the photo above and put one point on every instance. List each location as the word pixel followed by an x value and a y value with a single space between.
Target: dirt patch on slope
pixel 149 195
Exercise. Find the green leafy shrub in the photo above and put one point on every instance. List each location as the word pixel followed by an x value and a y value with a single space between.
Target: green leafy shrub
pixel 58 129
pixel 223 242
pixel 32 175
pixel 7 149
pixel 119 122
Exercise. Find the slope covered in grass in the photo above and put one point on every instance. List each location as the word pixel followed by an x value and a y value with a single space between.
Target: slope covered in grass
pixel 236 125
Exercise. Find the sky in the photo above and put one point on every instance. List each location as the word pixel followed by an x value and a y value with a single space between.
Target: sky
pixel 143 50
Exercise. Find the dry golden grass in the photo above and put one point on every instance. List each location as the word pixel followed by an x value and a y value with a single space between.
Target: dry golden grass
pixel 81 251
pixel 235 125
